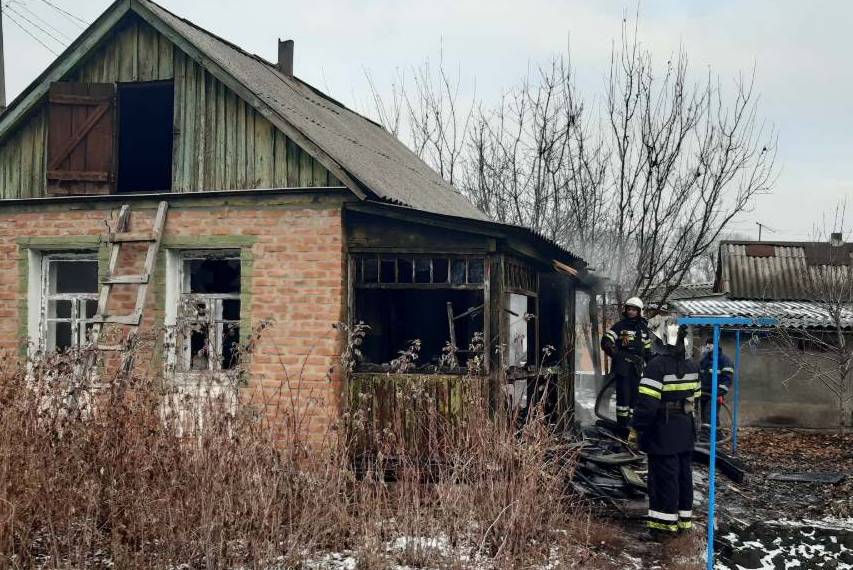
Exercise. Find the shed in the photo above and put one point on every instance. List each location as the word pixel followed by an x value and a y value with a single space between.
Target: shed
pixel 801 286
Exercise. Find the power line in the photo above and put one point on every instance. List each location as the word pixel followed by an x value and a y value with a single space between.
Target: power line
pixel 19 4
pixel 67 14
pixel 29 33
pixel 35 25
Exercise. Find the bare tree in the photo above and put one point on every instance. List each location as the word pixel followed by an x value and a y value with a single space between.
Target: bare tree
pixel 683 163
pixel 643 190
pixel 429 113
pixel 532 161
pixel 824 354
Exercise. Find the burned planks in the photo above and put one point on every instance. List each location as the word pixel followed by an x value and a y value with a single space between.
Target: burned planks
pixel 612 471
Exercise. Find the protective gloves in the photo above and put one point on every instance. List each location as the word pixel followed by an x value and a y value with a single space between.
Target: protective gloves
pixel 633 437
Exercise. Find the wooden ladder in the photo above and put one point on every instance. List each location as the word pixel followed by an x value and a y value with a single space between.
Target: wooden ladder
pixel 118 236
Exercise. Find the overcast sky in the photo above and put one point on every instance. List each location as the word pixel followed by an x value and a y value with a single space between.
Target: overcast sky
pixel 801 51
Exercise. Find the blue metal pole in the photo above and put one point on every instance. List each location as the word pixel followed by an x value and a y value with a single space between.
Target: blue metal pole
pixel 736 403
pixel 712 464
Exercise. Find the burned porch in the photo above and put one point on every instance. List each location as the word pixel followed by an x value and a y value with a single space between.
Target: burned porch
pixel 455 305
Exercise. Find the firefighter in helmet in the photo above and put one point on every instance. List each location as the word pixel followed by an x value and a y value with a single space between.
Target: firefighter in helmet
pixel 628 344
pixel 663 426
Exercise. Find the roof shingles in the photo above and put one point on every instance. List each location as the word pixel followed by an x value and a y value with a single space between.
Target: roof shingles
pixel 368 152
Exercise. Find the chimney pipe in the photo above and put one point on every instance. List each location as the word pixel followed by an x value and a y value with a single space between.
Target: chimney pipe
pixel 836 239
pixel 285 57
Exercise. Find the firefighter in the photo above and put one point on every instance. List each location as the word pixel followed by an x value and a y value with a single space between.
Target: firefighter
pixel 725 374
pixel 629 345
pixel 663 427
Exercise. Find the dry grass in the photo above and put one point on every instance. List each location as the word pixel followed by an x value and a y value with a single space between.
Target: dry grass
pixel 94 476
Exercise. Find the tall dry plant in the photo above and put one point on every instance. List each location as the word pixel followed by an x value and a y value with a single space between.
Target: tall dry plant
pixel 109 471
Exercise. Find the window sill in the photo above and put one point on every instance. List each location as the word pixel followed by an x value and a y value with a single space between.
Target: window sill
pixel 416 375
pixel 197 379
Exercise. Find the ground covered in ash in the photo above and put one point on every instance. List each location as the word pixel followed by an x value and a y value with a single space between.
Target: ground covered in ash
pixel 764 522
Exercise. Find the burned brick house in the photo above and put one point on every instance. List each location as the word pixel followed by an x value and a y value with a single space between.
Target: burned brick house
pixel 283 206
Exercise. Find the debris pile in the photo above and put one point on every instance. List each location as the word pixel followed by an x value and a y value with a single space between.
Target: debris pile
pixel 610 470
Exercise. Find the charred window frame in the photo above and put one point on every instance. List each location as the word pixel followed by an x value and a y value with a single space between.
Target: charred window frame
pixel 419 271
pixel 404 297
pixel 69 290
pixel 207 334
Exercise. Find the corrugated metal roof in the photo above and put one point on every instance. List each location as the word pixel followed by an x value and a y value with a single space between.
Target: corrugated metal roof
pixel 796 314
pixel 778 271
pixel 372 155
pixel 683 291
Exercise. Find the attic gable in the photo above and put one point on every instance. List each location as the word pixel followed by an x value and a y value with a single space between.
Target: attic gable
pixel 360 154
pixel 219 141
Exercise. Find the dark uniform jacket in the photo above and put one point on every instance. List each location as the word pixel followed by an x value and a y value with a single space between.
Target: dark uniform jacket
pixel 628 343
pixel 666 393
pixel 725 373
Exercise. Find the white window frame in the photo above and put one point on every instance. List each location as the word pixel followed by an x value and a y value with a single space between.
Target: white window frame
pixel 78 318
pixel 178 297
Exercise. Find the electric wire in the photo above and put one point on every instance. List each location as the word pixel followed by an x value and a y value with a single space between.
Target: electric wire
pixel 77 20
pixel 29 33
pixel 35 25
pixel 21 6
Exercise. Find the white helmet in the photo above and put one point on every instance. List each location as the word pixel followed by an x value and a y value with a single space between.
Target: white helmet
pixel 635 302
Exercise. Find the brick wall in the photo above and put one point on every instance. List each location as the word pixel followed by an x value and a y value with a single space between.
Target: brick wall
pixel 293 267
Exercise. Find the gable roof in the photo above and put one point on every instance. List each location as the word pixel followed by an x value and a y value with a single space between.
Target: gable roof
pixel 775 271
pixel 360 153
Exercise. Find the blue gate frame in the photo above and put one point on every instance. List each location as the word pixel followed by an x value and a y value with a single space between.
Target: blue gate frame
pixel 717 323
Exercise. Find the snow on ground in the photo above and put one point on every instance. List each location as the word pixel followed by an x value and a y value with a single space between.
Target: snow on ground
pixel 422 552
pixel 784 544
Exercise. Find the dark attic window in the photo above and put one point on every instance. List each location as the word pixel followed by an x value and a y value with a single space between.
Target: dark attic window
pixel 145 116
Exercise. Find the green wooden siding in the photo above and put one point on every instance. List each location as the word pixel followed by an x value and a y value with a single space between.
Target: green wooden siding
pixel 22 159
pixel 220 142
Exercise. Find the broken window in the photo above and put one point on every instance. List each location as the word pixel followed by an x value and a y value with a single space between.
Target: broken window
pixel 208 320
pixel 438 300
pixel 69 299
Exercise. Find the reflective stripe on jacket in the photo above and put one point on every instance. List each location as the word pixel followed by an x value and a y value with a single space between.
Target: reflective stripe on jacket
pixel 725 373
pixel 664 428
pixel 627 339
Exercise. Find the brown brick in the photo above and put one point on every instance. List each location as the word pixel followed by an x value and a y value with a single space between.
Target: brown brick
pixel 297 281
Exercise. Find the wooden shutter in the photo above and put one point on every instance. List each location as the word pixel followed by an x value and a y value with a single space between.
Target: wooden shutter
pixel 81 138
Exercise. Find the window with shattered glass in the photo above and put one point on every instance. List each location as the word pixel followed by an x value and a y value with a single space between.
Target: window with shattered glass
pixel 70 299
pixel 209 313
